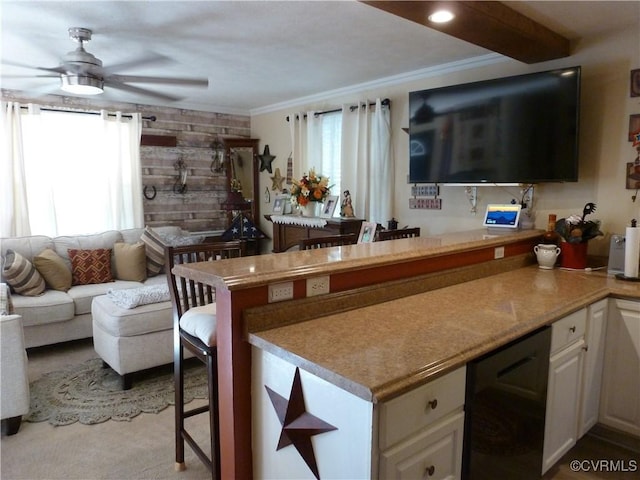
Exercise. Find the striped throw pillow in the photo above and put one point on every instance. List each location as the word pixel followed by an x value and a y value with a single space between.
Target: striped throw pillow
pixel 21 275
pixel 154 248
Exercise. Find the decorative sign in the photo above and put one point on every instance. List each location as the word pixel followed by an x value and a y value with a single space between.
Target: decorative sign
pixel 425 203
pixel 425 191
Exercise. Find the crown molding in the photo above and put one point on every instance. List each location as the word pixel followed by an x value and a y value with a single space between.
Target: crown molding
pixel 443 69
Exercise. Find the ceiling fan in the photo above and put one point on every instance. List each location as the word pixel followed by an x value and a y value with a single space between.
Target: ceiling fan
pixel 82 73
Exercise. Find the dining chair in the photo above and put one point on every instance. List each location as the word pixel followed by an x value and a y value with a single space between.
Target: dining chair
pixel 328 241
pixel 400 233
pixel 194 327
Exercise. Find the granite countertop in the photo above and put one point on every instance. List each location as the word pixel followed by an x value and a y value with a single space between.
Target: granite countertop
pixel 251 271
pixel 384 350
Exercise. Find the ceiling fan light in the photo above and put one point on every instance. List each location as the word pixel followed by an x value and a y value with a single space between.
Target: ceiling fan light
pixel 81 84
pixel 441 16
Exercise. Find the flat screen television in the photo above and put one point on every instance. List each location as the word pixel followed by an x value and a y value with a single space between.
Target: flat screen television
pixel 520 129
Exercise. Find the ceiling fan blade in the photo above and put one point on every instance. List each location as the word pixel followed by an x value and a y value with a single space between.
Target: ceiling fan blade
pixel 31 67
pixel 196 82
pixel 57 75
pixel 140 91
pixel 153 59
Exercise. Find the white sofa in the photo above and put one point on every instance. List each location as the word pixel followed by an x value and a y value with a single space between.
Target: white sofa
pixel 58 316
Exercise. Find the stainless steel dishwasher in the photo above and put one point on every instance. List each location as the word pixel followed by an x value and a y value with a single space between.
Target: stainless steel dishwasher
pixel 505 405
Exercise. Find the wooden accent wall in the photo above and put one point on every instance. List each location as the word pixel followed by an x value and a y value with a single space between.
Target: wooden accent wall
pixel 192 132
pixel 198 209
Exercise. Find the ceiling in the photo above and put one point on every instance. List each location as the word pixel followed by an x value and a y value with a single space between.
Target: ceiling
pixel 258 54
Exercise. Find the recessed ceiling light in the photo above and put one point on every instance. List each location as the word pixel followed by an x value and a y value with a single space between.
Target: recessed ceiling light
pixel 441 16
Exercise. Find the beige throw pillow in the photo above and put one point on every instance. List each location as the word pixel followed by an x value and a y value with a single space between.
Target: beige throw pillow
pixel 52 267
pixel 131 261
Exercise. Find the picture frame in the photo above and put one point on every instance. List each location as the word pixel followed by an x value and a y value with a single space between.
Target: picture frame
pixel 279 204
pixel 329 206
pixel 634 83
pixel 634 125
pixel 367 232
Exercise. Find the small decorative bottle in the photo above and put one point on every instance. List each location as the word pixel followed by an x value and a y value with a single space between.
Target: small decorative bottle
pixel 551 237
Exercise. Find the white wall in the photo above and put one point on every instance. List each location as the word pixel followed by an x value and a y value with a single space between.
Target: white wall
pixel 604 150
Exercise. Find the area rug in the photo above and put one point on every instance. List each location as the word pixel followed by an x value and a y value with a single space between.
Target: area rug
pixel 89 394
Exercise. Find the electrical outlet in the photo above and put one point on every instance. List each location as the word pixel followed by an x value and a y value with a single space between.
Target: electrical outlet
pixel 279 292
pixel 498 252
pixel 317 286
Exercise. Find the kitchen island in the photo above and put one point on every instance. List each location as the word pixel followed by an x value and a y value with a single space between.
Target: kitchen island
pixel 351 363
pixel 358 276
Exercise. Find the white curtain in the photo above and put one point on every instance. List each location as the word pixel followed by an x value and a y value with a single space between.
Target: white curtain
pixel 367 163
pixel 14 211
pixel 352 148
pixel 81 173
pixel 121 139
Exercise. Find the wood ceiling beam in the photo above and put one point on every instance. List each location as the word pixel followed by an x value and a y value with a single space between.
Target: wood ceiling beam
pixel 491 25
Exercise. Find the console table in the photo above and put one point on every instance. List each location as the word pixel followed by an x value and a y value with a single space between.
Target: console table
pixel 286 236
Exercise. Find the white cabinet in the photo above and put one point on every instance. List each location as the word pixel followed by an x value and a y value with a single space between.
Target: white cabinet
pixel 563 388
pixel 592 365
pixel 620 400
pixel 421 432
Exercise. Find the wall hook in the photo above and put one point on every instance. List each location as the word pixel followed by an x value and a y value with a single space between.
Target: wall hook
pixel 180 185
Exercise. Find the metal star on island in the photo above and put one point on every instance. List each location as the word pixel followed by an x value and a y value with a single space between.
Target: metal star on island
pixel 266 159
pixel 298 425
pixel 276 180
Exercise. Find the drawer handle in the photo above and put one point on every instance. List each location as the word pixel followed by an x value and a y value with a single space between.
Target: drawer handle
pixel 429 471
pixel 433 403
pixel 572 329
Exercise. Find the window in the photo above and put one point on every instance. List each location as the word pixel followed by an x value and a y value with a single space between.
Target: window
pixel 331 152
pixel 82 172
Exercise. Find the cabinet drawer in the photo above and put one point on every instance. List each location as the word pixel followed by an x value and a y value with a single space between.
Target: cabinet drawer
pixel 413 411
pixel 568 329
pixel 434 453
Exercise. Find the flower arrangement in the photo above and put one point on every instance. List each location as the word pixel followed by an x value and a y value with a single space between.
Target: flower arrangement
pixel 313 187
pixel 575 229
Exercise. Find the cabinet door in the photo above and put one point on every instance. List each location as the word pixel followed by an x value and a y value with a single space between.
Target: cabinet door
pixel 563 393
pixel 620 402
pixel 434 453
pixel 592 367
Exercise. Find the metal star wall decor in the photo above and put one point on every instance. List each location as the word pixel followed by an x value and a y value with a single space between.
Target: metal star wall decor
pixel 298 425
pixel 276 180
pixel 266 159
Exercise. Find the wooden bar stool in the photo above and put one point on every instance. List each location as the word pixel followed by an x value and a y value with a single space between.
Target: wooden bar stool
pixel 194 327
pixel 400 233
pixel 328 241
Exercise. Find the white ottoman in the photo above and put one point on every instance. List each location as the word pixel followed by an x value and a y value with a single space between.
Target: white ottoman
pixel 130 340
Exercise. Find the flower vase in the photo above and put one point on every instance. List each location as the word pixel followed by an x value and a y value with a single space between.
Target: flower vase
pixel 573 255
pixel 311 209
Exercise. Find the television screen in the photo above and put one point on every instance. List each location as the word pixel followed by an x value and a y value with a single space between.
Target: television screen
pixel 521 129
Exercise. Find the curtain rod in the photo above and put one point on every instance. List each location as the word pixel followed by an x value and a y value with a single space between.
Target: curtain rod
pixel 152 117
pixel 385 103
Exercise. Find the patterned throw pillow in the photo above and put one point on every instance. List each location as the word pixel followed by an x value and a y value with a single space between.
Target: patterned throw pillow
pixel 51 266
pixel 131 261
pixel 21 275
pixel 90 266
pixel 154 247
